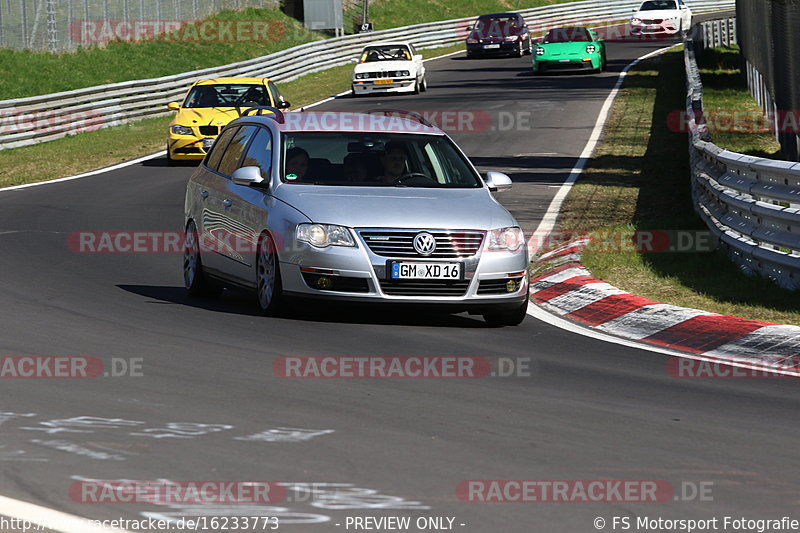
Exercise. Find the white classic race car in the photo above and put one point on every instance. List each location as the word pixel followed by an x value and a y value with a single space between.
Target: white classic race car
pixel 661 17
pixel 392 67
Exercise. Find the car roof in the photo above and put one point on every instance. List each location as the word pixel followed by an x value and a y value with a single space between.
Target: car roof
pixel 491 15
pixel 331 121
pixel 220 81
pixel 388 43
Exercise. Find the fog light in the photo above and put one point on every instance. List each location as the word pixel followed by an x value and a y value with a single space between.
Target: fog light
pixel 511 286
pixel 324 282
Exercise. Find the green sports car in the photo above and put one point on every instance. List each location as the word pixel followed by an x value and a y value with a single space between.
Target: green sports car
pixel 569 48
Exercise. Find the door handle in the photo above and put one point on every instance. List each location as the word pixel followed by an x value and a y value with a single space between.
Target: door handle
pixel 204 195
pixel 227 203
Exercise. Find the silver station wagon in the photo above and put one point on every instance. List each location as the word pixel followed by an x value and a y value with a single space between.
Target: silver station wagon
pixel 375 207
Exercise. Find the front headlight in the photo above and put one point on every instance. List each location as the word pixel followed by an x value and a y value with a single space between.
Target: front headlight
pixel 361 75
pixel 505 239
pixel 472 40
pixel 636 20
pixel 510 38
pixel 324 235
pixel 540 51
pixel 591 49
pixel 181 130
pixel 400 73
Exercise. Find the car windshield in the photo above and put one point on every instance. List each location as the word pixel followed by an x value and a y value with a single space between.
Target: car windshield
pixel 375 159
pixel 655 5
pixel 226 95
pixel 385 53
pixel 568 35
pixel 491 22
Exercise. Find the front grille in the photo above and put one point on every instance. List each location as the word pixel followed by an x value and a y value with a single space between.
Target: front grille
pixel 338 283
pixel 652 21
pixel 209 130
pixel 380 74
pixel 425 287
pixel 497 286
pixel 400 243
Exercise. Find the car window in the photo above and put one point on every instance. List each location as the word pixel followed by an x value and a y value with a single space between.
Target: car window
pixel 568 35
pixel 385 53
pixel 233 152
pixel 226 95
pixel 259 153
pixel 213 158
pixel 274 93
pixel 375 159
pixel 654 5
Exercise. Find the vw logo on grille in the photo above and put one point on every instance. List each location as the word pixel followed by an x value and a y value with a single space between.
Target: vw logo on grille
pixel 424 243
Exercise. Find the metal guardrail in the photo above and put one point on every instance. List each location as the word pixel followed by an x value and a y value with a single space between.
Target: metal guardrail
pixel 26 121
pixel 750 204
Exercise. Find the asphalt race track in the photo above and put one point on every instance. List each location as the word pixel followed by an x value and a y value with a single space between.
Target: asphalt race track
pixel 207 396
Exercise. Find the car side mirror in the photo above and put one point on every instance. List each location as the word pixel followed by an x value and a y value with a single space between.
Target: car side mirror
pixel 354 61
pixel 469 28
pixel 284 104
pixel 173 106
pixel 247 176
pixel 418 57
pixel 497 181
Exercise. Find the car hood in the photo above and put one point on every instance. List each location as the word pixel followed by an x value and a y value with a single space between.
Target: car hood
pixel 397 207
pixel 657 14
pixel 378 66
pixel 206 116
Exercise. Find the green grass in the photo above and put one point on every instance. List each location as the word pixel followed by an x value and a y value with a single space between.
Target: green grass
pixel 391 13
pixel 639 180
pixel 97 149
pixel 735 119
pixel 26 73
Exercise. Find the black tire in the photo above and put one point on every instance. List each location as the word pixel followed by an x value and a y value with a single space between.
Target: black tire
pixel 513 317
pixel 519 52
pixel 170 162
pixel 269 288
pixel 416 86
pixel 529 50
pixel 194 279
pixel 424 86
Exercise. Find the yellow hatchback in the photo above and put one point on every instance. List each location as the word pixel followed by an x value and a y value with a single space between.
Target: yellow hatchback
pixel 209 106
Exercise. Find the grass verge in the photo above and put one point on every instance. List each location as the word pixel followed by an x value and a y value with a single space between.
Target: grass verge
pixel 27 73
pixel 96 149
pixel 639 180
pixel 391 13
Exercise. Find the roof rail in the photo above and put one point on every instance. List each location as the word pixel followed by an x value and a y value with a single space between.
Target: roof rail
pixel 401 113
pixel 277 114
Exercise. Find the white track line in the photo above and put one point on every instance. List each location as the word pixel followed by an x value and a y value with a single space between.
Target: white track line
pixel 87 174
pixel 548 223
pixel 50 519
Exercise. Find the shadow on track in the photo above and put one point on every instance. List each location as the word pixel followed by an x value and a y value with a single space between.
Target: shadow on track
pixel 242 303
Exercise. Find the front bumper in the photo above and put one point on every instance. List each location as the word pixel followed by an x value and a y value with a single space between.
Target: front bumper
pixel 397 85
pixel 490 279
pixel 189 147
pixel 665 28
pixel 572 64
pixel 488 49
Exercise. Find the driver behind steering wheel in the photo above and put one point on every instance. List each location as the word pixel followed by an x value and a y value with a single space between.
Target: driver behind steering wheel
pixel 393 160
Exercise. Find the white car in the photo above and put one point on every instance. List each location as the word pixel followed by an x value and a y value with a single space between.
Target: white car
pixel 661 17
pixel 391 67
